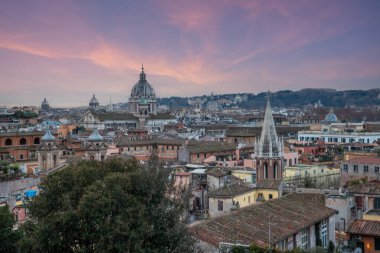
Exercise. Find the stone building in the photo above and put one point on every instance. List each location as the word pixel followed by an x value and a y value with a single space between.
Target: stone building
pixel 95 148
pixel 142 101
pixel 295 220
pixel 48 153
pixel 269 150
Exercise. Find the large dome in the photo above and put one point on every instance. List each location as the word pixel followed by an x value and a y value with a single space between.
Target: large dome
pixel 331 117
pixel 142 89
pixel 93 101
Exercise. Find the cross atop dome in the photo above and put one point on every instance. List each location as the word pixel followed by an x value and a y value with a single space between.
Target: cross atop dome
pixel 142 75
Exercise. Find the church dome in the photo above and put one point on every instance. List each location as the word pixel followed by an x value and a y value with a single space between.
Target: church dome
pixel 45 105
pixel 142 89
pixel 48 137
pixel 331 117
pixel 93 101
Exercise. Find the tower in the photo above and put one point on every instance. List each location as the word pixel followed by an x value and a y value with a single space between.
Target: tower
pixel 142 101
pixel 45 105
pixel 269 150
pixel 48 153
pixel 95 149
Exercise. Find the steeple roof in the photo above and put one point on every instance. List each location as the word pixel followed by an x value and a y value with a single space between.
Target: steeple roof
pixel 95 136
pixel 269 144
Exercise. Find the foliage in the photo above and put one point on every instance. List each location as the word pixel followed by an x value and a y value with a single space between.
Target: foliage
pixel 362 180
pixel 25 115
pixel 8 237
pixel 111 206
pixel 331 247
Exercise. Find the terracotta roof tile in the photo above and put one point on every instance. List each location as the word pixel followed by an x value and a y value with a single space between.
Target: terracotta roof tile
pixel 288 214
pixel 231 190
pixel 364 160
pixel 269 184
pixel 365 227
pixel 370 188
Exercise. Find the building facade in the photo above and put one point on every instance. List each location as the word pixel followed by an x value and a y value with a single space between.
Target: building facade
pixel 142 101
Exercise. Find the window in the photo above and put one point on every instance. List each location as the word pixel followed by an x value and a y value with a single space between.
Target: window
pixel 21 157
pixel 265 170
pixel 275 171
pixel 270 196
pixel 324 233
pixel 22 141
pixel 249 199
pixel 220 205
pixel 36 140
pixel 377 243
pixel 365 168
pixel 253 178
pixel 8 142
pixel 377 170
pixel 345 168
pixel 305 238
pixel 376 203
pixel 356 169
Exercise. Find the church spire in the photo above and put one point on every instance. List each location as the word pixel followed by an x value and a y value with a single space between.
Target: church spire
pixel 269 144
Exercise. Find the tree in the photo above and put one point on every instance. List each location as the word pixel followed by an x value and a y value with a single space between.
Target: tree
pixel 111 206
pixel 8 237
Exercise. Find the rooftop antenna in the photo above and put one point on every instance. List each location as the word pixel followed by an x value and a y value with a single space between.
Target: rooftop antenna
pixel 270 246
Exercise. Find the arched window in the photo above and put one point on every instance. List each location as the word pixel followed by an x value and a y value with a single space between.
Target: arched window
pixel 8 142
pixel 265 170
pixel 36 140
pixel 275 170
pixel 22 141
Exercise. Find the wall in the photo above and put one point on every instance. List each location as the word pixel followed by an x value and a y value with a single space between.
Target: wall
pixel 369 244
pixel 266 193
pixel 213 206
pixel 246 199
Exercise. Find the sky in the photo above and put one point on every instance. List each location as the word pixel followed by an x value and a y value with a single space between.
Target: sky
pixel 68 50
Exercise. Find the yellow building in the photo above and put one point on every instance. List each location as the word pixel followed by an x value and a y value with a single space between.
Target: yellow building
pixel 234 196
pixel 247 175
pixel 303 170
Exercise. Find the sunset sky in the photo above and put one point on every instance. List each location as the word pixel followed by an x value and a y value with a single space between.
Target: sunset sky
pixel 68 50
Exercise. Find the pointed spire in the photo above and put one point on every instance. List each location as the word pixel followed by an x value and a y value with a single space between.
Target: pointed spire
pixel 269 144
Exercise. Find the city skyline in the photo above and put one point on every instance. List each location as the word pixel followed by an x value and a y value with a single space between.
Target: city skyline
pixel 67 51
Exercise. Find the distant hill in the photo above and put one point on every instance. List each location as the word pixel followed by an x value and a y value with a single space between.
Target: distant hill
pixel 288 98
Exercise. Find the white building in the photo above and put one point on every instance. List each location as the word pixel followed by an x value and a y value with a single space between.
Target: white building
pixel 338 137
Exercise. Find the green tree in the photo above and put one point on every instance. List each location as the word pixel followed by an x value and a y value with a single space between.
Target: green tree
pixel 8 237
pixel 111 206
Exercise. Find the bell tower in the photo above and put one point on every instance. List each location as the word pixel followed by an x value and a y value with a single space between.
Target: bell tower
pixel 269 150
pixel 48 153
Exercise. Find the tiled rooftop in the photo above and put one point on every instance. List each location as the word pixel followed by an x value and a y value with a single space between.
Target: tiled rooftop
pixel 289 214
pixel 370 188
pixel 365 227
pixel 231 190
pixel 364 160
